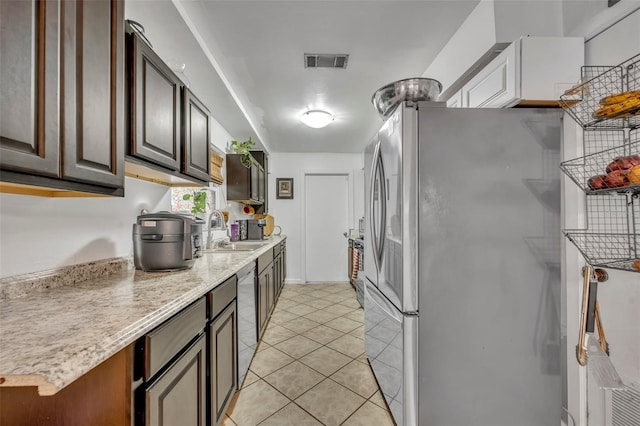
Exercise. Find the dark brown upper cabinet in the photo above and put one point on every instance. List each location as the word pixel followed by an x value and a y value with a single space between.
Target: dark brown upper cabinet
pixel 62 95
pixel 244 183
pixel 154 106
pixel 29 81
pixel 196 137
pixel 169 129
pixel 262 159
pixel 94 91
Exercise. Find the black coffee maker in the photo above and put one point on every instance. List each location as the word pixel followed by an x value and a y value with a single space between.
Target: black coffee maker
pixel 255 229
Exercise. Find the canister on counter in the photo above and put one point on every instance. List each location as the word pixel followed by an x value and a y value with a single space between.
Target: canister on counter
pixel 234 232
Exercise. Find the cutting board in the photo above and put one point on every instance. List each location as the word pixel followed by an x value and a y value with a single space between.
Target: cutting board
pixel 268 229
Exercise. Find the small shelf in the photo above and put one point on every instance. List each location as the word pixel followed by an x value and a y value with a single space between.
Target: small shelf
pixel 615 251
pixel 581 169
pixel 583 101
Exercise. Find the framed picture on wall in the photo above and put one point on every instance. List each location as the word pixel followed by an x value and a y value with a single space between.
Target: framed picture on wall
pixel 284 188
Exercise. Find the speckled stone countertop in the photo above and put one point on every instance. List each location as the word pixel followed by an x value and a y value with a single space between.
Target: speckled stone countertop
pixel 50 338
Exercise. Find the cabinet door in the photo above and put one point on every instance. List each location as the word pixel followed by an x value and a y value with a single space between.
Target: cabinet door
pixel 280 279
pixel 276 277
pixel 196 138
pixel 29 81
pixel 263 306
pixel 284 262
pixel 270 290
pixel 266 185
pixel 224 367
pixel 498 84
pixel 155 107
pixel 261 183
pixel 455 101
pixel 254 192
pixel 238 179
pixel 93 73
pixel 178 397
pixel 282 255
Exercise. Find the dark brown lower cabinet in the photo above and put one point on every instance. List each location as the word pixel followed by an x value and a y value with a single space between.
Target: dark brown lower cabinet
pixel 100 397
pixel 178 397
pixel 263 300
pixel 276 277
pixel 284 261
pixel 223 361
pixel 172 363
pixel 167 377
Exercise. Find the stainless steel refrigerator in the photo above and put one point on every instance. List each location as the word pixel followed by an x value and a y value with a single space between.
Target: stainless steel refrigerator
pixel 462 265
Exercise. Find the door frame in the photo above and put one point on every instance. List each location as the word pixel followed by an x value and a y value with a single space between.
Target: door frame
pixel 303 216
pixel 573 216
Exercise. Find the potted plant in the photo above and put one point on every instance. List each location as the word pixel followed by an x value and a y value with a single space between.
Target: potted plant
pixel 199 201
pixel 243 149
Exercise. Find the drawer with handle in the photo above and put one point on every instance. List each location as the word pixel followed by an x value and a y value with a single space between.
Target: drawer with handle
pixel 166 341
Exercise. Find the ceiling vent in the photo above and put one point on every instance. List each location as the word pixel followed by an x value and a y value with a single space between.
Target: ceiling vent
pixel 315 60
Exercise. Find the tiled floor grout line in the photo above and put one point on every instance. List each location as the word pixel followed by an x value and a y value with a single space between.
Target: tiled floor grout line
pixel 292 401
pixel 320 347
pixel 298 359
pixel 324 377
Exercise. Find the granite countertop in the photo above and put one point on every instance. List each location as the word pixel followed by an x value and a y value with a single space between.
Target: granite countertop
pixel 50 338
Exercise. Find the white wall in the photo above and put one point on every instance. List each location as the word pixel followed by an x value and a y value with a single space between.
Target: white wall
pixel 490 27
pixel 289 213
pixel 175 43
pixel 38 233
pixel 587 18
pixel 620 296
pixel 617 44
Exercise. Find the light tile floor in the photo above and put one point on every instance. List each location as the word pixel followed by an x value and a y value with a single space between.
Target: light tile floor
pixel 310 368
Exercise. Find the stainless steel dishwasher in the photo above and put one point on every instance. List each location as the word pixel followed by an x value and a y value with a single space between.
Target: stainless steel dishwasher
pixel 247 331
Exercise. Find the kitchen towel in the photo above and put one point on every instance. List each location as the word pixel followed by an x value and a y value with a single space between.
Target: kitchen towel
pixel 356 264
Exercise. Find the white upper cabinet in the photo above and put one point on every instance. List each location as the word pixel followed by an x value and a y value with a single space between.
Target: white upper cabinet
pixel 531 71
pixel 455 101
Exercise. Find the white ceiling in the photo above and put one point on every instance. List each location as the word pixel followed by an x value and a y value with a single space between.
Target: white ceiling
pixel 257 47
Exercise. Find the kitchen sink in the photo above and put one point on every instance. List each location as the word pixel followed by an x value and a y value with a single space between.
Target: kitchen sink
pixel 237 246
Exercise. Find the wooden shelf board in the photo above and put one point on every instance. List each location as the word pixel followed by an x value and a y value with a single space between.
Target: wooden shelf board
pixel 39 191
pixel 139 171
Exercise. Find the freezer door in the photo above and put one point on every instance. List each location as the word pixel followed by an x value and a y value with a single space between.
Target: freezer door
pixel 370 193
pixel 390 339
pixel 490 299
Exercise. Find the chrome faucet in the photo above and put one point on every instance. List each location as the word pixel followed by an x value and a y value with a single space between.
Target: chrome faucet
pixel 220 224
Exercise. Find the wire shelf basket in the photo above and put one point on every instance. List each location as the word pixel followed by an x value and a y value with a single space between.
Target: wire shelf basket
pixel 584 102
pixel 612 237
pixel 615 251
pixel 592 172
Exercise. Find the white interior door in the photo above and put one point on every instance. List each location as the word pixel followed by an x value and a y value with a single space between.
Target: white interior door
pixel 326 220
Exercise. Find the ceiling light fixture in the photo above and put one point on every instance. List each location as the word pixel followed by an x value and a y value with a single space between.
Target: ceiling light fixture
pixel 316 118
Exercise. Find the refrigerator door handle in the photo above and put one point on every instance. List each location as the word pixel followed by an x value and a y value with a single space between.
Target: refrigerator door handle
pixel 374 235
pixel 383 197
